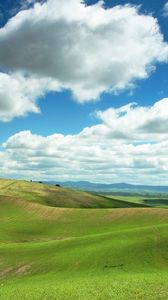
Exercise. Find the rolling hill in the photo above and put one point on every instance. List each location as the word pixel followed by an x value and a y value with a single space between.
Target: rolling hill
pixel 58 253
pixel 59 196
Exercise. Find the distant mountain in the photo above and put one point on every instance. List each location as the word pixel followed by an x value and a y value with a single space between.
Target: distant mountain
pixel 113 187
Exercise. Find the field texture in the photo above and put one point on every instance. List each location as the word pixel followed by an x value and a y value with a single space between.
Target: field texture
pixel 149 199
pixel 50 252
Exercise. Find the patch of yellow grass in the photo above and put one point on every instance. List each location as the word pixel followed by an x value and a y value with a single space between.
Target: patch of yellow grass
pixel 118 213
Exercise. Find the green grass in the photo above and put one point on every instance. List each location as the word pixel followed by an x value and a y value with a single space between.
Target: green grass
pixel 87 254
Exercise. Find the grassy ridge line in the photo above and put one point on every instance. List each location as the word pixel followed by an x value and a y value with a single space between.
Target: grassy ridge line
pixel 22 221
pixel 59 196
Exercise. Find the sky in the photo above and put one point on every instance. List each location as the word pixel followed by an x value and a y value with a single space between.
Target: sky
pixel 84 90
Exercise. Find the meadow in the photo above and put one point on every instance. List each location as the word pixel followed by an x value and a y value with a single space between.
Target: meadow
pixel 84 251
pixel 148 199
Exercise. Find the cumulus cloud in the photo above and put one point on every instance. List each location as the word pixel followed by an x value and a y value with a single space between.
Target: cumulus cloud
pixel 165 10
pixel 132 122
pixel 18 95
pixel 86 49
pixel 25 4
pixel 98 153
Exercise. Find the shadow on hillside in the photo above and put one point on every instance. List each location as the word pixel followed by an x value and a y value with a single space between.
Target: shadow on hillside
pixel 68 198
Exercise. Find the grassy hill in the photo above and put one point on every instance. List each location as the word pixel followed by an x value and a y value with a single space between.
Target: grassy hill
pixel 59 196
pixel 81 254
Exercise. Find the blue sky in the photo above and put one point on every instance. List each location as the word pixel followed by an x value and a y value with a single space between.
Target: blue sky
pixel 60 112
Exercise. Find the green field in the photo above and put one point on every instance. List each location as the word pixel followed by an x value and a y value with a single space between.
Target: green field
pixel 49 252
pixel 150 199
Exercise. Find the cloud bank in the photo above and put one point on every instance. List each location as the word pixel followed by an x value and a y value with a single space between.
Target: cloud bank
pixel 129 144
pixel 67 45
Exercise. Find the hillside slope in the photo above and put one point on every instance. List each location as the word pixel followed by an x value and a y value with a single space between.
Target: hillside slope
pixel 89 254
pixel 59 196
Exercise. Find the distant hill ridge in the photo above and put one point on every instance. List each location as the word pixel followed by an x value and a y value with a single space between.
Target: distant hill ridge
pixel 112 187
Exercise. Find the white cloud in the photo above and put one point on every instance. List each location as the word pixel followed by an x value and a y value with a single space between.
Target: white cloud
pixel 26 4
pixel 98 153
pixel 18 95
pixel 132 122
pixel 86 49
pixel 165 10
